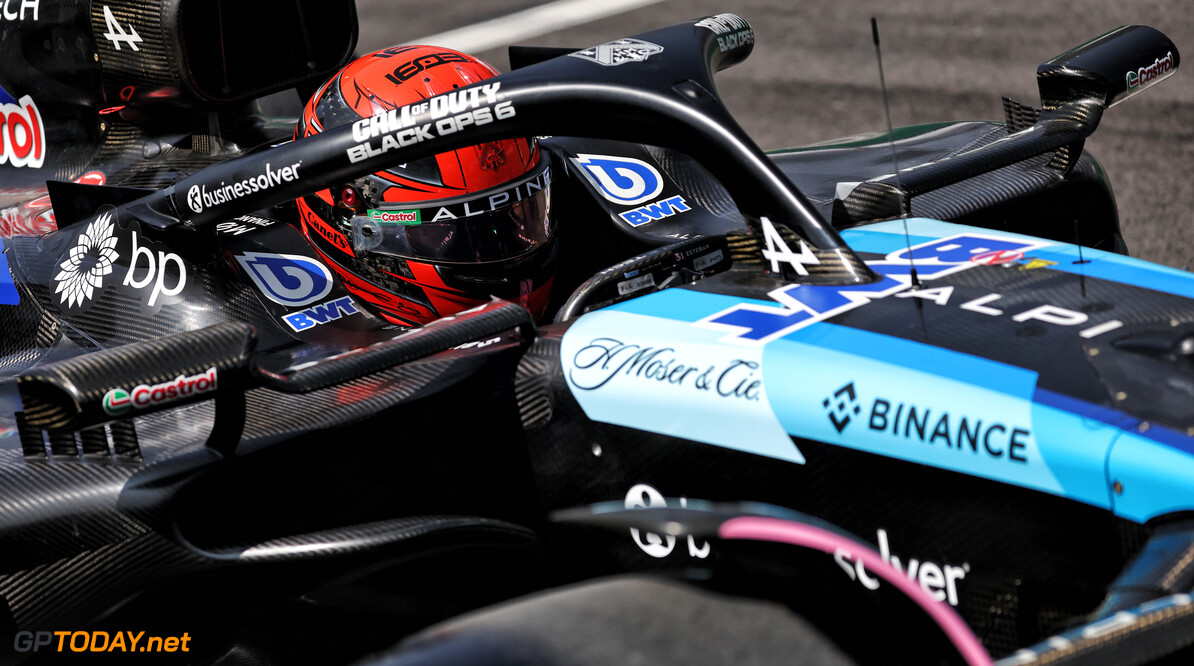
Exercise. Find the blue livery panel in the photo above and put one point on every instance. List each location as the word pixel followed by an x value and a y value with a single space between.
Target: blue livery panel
pixel 8 290
pixel 761 375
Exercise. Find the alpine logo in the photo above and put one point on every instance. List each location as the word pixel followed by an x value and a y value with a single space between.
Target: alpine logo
pixel 199 198
pixel 622 180
pixel 619 52
pixel 117 34
pixel 842 407
pixel 119 401
pixel 287 279
pixel 805 304
pixel 22 141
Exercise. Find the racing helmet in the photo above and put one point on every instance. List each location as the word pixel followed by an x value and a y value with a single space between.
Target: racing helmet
pixel 434 236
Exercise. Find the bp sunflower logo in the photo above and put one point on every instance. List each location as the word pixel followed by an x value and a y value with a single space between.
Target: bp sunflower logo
pixel 83 270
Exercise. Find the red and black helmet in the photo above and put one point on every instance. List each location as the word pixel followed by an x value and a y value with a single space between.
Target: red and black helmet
pixel 437 235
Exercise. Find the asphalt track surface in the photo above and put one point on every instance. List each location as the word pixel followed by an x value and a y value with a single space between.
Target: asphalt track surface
pixel 813 77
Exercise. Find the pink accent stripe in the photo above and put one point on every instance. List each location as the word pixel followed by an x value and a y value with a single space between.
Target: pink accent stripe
pixel 783 531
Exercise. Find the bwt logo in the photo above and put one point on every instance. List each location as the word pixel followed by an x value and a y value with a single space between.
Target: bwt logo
pixel 622 180
pixel 287 279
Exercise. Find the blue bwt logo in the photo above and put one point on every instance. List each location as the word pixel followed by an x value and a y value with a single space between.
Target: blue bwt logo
pixel 622 180
pixel 287 279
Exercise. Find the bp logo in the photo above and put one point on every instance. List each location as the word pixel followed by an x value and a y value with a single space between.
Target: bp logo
pixel 117 401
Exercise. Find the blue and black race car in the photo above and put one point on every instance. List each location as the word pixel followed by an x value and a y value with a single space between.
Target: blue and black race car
pixel 205 430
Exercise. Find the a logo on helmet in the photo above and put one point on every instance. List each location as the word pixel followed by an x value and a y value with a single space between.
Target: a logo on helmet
pixel 492 156
pixel 401 216
pixel 622 180
pixel 287 279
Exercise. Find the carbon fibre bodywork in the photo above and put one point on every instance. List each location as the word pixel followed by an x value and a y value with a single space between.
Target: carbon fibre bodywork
pixel 202 431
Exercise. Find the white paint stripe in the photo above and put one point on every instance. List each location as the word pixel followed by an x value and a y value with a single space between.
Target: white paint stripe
pixel 528 23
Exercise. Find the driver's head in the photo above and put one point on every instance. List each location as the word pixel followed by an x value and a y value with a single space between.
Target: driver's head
pixel 438 235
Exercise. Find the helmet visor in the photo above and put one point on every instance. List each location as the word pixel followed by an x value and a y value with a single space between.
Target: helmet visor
pixel 493 225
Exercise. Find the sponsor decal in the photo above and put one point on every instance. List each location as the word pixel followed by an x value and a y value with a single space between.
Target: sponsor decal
pixel 1143 76
pixel 1033 263
pixel 396 216
pixel 449 113
pixel 621 180
pixel 82 273
pixel 406 70
pixel 156 274
pixel 997 257
pixel 287 279
pixel 199 198
pixel 931 425
pixel 655 211
pixel 119 401
pixel 939 580
pixel 732 30
pixel 619 52
pixel 643 496
pixel 909 401
pixel 510 196
pixel 672 378
pixel 152 274
pixel 117 34
pixel 336 238
pixel 242 225
pixel 22 139
pixel 14 10
pixel 605 360
pixel 803 304
pixel 842 406
pixel 318 315
pixel 479 344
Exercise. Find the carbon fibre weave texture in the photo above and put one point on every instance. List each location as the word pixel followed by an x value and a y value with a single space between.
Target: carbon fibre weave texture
pixel 148 65
pixel 55 394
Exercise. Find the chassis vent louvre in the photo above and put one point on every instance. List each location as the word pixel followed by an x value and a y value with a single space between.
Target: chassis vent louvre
pixel 532 382
pixel 117 440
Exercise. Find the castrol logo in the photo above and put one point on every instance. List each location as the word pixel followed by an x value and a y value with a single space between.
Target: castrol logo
pixel 22 140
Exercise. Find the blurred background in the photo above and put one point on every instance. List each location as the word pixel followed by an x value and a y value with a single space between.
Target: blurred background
pixel 813 77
